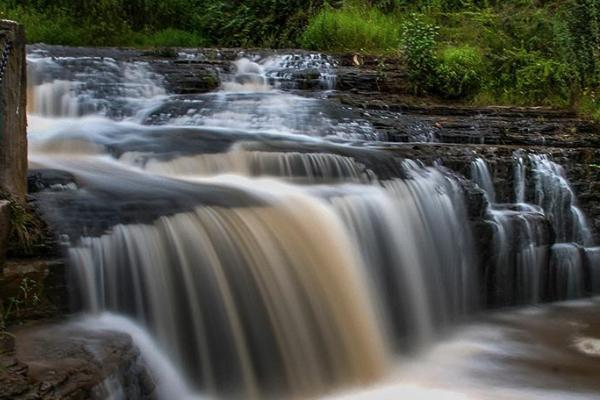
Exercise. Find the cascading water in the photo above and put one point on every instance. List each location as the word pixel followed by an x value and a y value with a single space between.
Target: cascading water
pixel 515 273
pixel 255 297
pixel 251 101
pixel 263 260
pixel 524 268
pixel 73 87
pixel 480 175
pixel 280 293
pixel 292 71
pixel 554 194
pixel 291 166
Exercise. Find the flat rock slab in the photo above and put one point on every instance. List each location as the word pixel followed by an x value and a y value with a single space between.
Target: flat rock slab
pixel 68 362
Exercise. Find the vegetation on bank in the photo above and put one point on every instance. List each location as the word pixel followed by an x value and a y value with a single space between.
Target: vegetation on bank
pixel 522 52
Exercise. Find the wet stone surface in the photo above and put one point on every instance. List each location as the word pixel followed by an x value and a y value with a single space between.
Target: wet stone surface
pixel 58 362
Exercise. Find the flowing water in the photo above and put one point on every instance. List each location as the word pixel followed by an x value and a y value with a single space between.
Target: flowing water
pixel 255 245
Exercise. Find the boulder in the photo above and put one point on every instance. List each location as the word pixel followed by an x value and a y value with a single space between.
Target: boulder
pixel 68 362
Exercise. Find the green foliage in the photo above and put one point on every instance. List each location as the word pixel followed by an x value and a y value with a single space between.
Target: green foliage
pixel 524 77
pixel 418 44
pixel 274 23
pixel 544 81
pixel 271 23
pixel 589 104
pixel 582 38
pixel 55 28
pixel 172 38
pixel 28 295
pixel 459 72
pixel 352 28
pixel 27 229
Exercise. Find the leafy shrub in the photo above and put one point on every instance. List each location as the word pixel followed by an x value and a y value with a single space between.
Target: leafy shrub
pixel 351 28
pixel 419 41
pixel 275 23
pixel 524 77
pixel 543 80
pixel 583 21
pixel 459 72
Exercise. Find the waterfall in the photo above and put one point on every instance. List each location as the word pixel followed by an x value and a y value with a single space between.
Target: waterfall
pixel 73 87
pixel 480 174
pixel 326 272
pixel 169 381
pixel 566 272
pixel 292 166
pixel 306 71
pixel 249 76
pixel 522 261
pixel 246 298
pixel 255 244
pixel 592 255
pixel 554 194
pixel 516 273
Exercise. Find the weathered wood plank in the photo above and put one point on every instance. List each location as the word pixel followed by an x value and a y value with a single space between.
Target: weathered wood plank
pixel 13 102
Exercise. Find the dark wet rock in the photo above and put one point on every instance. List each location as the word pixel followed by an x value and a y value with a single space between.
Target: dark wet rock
pixel 67 362
pixel 33 289
pixel 188 77
pixel 49 179
pixel 399 121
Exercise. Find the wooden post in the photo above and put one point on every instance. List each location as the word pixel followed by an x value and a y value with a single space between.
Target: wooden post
pixel 13 109
pixel 13 124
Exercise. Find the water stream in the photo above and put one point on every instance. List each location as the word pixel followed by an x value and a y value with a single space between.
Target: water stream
pixel 255 239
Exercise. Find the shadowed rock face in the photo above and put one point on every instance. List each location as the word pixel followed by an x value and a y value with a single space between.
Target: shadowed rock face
pixel 58 362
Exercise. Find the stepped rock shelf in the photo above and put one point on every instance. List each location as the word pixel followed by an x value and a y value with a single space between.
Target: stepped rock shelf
pixel 246 170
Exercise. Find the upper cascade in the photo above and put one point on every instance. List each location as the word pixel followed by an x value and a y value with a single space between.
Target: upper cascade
pixel 290 71
pixel 249 76
pixel 77 86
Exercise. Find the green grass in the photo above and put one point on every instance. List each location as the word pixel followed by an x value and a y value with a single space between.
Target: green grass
pixel 171 38
pixel 352 28
pixel 460 71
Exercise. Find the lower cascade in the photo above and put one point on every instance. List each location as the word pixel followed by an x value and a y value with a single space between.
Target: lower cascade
pixel 255 251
